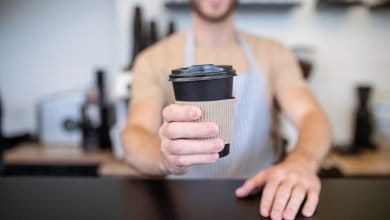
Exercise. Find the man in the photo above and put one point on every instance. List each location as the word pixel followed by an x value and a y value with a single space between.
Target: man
pixel 161 138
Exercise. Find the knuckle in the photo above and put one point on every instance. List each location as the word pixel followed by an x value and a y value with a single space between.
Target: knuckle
pixel 202 146
pixel 278 174
pixel 315 197
pixel 161 130
pixel 279 201
pixel 210 128
pixel 294 204
pixel 315 189
pixel 166 112
pixel 309 207
pixel 291 210
pixel 277 208
pixel 216 127
pixel 250 183
pixel 164 144
pixel 300 188
pixel 174 147
pixel 212 158
pixel 178 161
pixel 317 184
pixel 170 130
pixel 292 178
pixel 304 184
pixel 266 202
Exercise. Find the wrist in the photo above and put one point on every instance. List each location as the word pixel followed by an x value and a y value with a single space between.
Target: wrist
pixel 306 161
pixel 163 164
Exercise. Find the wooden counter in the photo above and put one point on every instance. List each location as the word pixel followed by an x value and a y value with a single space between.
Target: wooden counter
pixel 367 163
pixel 126 198
pixel 35 154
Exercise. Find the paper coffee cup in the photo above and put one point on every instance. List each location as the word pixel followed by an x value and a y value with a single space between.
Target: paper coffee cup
pixel 210 88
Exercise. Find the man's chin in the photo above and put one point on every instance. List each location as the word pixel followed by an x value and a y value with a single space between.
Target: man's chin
pixel 213 18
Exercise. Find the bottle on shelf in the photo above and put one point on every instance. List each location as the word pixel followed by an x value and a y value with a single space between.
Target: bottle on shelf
pixel 95 114
pixel 171 28
pixel 138 42
pixel 153 33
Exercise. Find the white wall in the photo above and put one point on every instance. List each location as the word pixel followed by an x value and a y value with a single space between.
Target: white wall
pixel 48 47
pixel 351 46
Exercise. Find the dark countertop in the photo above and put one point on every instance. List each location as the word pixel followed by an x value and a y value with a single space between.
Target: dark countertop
pixel 113 198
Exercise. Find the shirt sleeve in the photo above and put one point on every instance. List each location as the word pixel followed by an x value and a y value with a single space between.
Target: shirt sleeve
pixel 285 69
pixel 145 81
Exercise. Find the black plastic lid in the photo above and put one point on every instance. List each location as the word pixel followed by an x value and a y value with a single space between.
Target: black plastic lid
pixel 202 72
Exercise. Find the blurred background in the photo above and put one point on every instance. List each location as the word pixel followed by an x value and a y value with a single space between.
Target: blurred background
pixel 65 76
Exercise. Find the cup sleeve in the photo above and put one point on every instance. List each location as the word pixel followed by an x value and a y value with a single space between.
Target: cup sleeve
pixel 220 112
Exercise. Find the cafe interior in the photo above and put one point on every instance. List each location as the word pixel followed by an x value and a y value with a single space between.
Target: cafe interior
pixel 66 80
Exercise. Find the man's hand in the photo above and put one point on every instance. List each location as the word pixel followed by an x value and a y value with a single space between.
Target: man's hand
pixel 185 143
pixel 286 186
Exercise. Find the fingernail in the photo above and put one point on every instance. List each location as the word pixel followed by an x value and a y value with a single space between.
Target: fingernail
pixel 194 113
pixel 275 216
pixel 213 130
pixel 239 192
pixel 215 157
pixel 288 216
pixel 264 212
pixel 307 212
pixel 219 145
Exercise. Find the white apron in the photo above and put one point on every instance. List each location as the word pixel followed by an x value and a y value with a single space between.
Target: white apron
pixel 251 146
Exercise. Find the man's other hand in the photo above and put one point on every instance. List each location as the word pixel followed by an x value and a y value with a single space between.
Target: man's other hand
pixel 286 186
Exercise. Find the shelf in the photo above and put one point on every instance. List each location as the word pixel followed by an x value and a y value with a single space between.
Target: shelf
pixel 244 6
pixel 384 7
pixel 337 4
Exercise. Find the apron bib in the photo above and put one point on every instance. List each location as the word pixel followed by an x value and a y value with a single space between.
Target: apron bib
pixel 251 146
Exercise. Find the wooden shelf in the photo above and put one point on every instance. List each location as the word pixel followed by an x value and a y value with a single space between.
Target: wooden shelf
pixel 245 6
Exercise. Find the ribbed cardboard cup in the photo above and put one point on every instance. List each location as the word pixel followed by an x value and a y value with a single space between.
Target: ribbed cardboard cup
pixel 210 88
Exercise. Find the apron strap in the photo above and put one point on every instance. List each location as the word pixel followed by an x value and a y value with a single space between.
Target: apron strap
pixel 190 51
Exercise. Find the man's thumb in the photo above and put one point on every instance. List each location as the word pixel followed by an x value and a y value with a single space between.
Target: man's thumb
pixel 251 184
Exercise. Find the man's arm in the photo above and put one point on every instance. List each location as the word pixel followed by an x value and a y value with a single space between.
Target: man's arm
pixel 140 137
pixel 294 181
pixel 287 184
pixel 314 134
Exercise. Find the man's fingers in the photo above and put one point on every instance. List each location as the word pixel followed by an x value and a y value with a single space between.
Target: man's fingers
pixel 188 147
pixel 296 199
pixel 267 197
pixel 280 201
pixel 311 203
pixel 251 184
pixel 182 113
pixel 187 130
pixel 190 160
